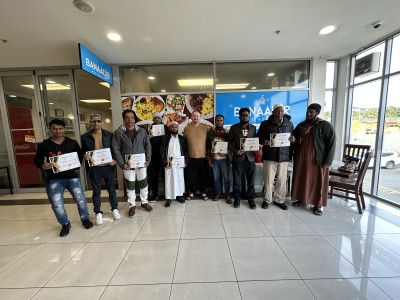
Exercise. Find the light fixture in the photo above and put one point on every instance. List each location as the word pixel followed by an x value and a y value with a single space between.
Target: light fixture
pixel 195 82
pixel 327 29
pixel 151 77
pixel 50 81
pixel 270 74
pixel 51 103
pixel 163 91
pixel 95 100
pixel 232 86
pixel 12 96
pixel 49 87
pixel 106 84
pixel 115 37
pixel 71 116
pixel 253 87
pixel 108 120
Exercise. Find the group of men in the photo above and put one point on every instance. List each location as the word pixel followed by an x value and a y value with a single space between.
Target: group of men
pixel 311 148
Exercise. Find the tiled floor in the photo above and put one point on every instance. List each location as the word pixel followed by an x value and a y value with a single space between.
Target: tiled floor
pixel 200 250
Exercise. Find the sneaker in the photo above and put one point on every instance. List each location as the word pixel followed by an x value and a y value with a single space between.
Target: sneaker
pixel 132 211
pixel 281 205
pixel 265 205
pixel 65 229
pixel 99 219
pixel 146 206
pixel 116 214
pixel 87 224
pixel 153 199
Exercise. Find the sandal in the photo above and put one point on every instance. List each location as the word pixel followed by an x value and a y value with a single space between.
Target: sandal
pixel 296 203
pixel 189 196
pixel 204 196
pixel 317 211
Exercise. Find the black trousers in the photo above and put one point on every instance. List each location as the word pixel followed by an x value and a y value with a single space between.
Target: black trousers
pixel 249 170
pixel 197 169
pixel 154 168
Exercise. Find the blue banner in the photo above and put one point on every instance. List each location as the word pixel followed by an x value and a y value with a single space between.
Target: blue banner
pixel 95 65
pixel 260 105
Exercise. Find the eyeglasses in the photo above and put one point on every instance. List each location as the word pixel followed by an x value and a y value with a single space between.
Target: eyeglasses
pixel 245 116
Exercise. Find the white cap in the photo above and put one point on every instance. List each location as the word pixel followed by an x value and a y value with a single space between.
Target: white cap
pixel 276 106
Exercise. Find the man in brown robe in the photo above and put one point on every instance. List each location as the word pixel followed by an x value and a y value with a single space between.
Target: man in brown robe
pixel 314 151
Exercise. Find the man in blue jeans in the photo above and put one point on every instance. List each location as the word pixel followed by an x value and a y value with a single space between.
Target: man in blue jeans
pixel 217 161
pixel 95 139
pixel 56 183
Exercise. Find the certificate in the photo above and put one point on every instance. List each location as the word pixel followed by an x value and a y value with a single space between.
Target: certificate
pixel 219 147
pixel 156 130
pixel 135 160
pixel 65 162
pixel 99 157
pixel 176 162
pixel 249 144
pixel 280 139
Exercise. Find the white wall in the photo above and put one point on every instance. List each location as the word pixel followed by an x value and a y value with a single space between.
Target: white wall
pixel 317 79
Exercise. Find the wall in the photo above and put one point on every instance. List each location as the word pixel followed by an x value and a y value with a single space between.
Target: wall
pixel 317 79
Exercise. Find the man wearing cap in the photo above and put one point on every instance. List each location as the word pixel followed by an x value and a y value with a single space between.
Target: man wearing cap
pixel 155 164
pixel 95 139
pixel 275 159
pixel 314 151
pixel 173 145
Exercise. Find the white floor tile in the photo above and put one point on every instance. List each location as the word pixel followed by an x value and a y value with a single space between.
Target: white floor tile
pixel 142 292
pixel 67 293
pixel 391 241
pixel 220 291
pixel 389 285
pixel 17 294
pixel 176 209
pixel 161 228
pixel 199 207
pixel 244 225
pixel 123 230
pixel 285 224
pixel 202 226
pixel 10 254
pixel 244 208
pixel 38 233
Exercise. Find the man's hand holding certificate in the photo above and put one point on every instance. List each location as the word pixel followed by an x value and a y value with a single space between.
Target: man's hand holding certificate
pixel 219 147
pixel 136 160
pixel 249 144
pixel 280 139
pixel 65 162
pixel 156 130
pixel 99 157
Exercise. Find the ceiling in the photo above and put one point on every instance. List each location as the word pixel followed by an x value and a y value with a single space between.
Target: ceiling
pixel 47 32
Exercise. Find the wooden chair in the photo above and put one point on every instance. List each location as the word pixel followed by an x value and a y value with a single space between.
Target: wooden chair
pixel 351 186
pixel 358 151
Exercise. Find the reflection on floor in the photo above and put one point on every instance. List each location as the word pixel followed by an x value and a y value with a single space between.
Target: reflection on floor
pixel 200 250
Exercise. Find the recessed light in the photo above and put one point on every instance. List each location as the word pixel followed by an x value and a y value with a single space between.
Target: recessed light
pixel 51 103
pixel 270 74
pixel 163 91
pixel 253 87
pixel 95 100
pixel 327 29
pixel 151 77
pixel 12 96
pixel 114 36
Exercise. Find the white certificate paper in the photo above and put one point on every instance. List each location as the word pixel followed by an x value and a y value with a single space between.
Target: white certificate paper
pixel 280 139
pixel 156 130
pixel 65 162
pixel 249 144
pixel 99 157
pixel 176 162
pixel 219 147
pixel 135 160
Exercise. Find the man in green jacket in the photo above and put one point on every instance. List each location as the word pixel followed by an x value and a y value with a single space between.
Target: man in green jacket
pixel 314 151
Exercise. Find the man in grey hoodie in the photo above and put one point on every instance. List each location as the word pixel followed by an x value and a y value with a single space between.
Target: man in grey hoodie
pixel 130 139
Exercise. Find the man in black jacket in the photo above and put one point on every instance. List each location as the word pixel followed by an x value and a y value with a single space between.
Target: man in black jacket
pixel 95 139
pixel 275 158
pixel 56 183
pixel 173 145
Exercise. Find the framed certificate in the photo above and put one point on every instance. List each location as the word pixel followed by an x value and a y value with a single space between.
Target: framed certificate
pixel 249 144
pixel 176 162
pixel 99 157
pixel 280 139
pixel 65 162
pixel 219 147
pixel 156 130
pixel 135 160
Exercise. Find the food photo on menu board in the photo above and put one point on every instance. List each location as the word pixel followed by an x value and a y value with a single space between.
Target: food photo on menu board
pixel 249 144
pixel 99 157
pixel 177 107
pixel 135 160
pixel 280 139
pixel 65 162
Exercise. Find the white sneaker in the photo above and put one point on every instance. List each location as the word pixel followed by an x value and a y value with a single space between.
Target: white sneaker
pixel 99 219
pixel 116 214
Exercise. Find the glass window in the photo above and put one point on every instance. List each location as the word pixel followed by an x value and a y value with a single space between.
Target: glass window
pixel 395 60
pixel 389 176
pixel 167 78
pixel 330 74
pixel 262 75
pixel 328 105
pixel 369 64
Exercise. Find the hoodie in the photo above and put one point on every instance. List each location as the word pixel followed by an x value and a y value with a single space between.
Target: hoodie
pixel 48 148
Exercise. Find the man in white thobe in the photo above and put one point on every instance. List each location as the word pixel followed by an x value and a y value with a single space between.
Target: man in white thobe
pixel 174 145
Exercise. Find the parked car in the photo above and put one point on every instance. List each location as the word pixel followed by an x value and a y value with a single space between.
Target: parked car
pixel 389 159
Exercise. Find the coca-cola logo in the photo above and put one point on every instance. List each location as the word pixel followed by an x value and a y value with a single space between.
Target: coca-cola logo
pixel 21 147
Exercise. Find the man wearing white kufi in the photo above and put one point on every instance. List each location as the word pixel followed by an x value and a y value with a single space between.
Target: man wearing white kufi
pixel 174 145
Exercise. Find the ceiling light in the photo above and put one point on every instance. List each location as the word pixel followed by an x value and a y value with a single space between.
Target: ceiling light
pixel 151 77
pixel 253 87
pixel 51 103
pixel 12 96
pixel 195 82
pixel 71 116
pixel 327 29
pixel 163 91
pixel 270 74
pixel 107 120
pixel 95 101
pixel 49 87
pixel 232 86
pixel 106 84
pixel 114 37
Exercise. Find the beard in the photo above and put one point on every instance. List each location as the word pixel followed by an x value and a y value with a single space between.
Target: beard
pixel 174 132
pixel 309 121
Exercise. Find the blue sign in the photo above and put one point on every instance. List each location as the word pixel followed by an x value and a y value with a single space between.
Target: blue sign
pixel 260 105
pixel 94 65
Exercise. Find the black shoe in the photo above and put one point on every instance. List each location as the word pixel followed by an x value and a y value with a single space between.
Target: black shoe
pixel 153 199
pixel 236 203
pixel 252 204
pixel 167 202
pixel 281 205
pixel 65 229
pixel 265 205
pixel 180 199
pixel 87 224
